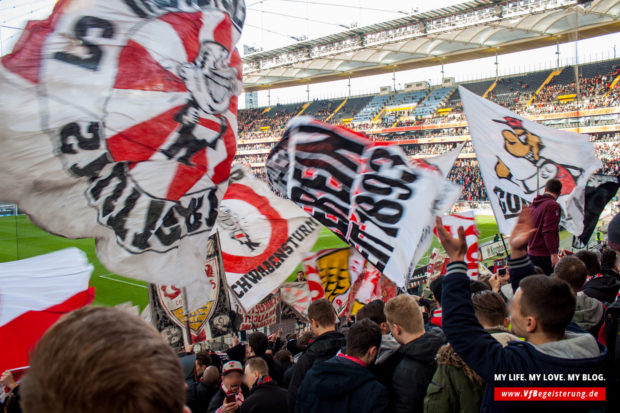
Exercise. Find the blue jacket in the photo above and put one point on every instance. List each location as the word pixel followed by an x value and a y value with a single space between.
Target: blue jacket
pixel 339 385
pixel 577 354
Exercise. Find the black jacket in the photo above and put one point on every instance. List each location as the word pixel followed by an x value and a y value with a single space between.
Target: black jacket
pixel 275 371
pixel 339 385
pixel 198 396
pixel 322 348
pixel 603 288
pixel 266 397
pixel 414 371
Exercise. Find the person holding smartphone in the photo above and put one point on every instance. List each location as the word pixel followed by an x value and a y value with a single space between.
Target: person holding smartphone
pixel 230 396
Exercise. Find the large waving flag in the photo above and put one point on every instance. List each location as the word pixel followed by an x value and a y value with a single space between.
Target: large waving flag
pixel 517 157
pixel 34 293
pixel 369 195
pixel 122 126
pixel 263 237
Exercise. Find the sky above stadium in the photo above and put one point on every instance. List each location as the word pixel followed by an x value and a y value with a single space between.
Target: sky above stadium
pixel 276 23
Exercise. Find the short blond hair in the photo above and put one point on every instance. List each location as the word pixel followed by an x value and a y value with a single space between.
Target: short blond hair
pixel 405 311
pixel 257 364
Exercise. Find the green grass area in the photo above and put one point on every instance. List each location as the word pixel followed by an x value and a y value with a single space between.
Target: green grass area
pixel 20 238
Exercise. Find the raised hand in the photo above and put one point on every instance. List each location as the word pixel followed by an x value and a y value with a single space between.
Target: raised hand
pixel 456 248
pixel 521 234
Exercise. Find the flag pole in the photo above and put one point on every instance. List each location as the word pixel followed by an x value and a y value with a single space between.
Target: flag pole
pixel 504 243
pixel 187 337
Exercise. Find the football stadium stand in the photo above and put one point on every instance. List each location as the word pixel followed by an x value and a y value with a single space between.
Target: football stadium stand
pixel 430 121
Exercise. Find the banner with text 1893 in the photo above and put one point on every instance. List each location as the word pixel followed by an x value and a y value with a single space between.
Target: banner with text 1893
pixel 370 196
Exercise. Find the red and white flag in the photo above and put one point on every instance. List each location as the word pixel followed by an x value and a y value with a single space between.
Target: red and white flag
pixel 263 237
pixel 34 293
pixel 467 221
pixel 123 127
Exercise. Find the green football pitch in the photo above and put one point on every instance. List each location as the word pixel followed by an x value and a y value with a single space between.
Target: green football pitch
pixel 19 239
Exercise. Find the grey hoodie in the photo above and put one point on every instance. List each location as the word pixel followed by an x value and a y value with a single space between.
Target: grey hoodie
pixel 573 346
pixel 588 312
pixel 389 346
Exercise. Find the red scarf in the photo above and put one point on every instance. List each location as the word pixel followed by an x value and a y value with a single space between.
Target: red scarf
pixel 353 359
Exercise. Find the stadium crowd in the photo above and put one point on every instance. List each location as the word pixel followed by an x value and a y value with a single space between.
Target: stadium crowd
pixel 438 352
pixel 465 172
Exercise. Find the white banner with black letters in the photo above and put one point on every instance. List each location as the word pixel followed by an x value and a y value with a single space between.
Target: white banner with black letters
pixel 368 195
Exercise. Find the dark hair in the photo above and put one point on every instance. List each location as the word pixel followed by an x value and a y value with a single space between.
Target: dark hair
pixel 553 186
pixel 478 286
pixel 304 340
pixel 373 311
pixel 436 288
pixel 608 258
pixel 322 312
pixel 550 301
pixel 283 356
pixel 203 358
pixel 102 360
pixel 573 271
pixel 362 336
pixel 590 260
pixel 490 308
pixel 259 343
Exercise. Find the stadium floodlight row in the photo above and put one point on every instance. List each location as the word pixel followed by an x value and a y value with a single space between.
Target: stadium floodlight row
pixel 465 31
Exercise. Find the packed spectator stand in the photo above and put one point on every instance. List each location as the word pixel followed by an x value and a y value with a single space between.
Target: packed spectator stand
pixel 430 121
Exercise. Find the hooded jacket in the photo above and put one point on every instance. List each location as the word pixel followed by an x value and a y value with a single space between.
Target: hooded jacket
pixel 577 353
pixel 340 385
pixel 455 386
pixel 588 313
pixel 389 346
pixel 265 397
pixel 414 371
pixel 323 347
pixel 546 213
pixel 604 288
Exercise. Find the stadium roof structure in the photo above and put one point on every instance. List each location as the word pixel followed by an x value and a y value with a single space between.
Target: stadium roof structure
pixel 467 31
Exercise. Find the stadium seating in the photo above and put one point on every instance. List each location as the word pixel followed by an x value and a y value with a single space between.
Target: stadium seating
pixel 434 138
pixel 371 110
pixel 351 107
pixel 432 101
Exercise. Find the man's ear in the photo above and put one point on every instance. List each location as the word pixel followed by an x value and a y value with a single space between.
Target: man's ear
pixel 530 324
pixel 372 352
pixel 506 322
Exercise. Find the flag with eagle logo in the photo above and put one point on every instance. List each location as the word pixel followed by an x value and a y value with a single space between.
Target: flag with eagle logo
pixel 122 126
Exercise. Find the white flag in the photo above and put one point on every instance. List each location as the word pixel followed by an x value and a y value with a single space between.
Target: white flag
pixel 517 157
pixel 119 123
pixel 263 237
pixel 368 195
pixel 441 163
